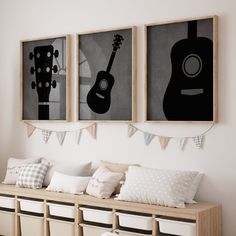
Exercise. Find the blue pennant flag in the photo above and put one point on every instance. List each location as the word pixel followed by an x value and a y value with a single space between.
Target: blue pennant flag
pixel 148 138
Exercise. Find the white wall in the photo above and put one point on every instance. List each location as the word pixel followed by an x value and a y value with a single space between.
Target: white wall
pixel 30 18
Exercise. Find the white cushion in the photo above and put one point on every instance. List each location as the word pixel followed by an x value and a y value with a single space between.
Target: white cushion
pixel 13 167
pixel 80 169
pixel 193 189
pixel 154 186
pixel 68 184
pixel 32 175
pixel 103 182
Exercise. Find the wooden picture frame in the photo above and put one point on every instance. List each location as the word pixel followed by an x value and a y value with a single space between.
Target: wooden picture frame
pixel 46 79
pixel 181 71
pixel 107 75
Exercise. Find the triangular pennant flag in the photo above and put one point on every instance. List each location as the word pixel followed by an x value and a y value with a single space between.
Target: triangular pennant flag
pixel 92 129
pixel 181 142
pixel 198 140
pixel 131 130
pixel 61 137
pixel 78 136
pixel 148 138
pixel 30 130
pixel 46 135
pixel 164 141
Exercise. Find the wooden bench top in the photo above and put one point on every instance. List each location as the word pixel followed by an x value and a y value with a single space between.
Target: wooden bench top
pixel 191 211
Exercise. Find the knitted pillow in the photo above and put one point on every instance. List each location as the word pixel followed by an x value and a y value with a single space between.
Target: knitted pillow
pixel 32 175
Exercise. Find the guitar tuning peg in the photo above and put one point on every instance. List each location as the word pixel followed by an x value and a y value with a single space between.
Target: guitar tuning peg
pixel 33 85
pixel 32 70
pixel 54 84
pixel 54 69
pixel 31 56
pixel 56 53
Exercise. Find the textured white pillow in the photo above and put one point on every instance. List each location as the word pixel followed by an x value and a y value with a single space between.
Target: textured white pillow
pixel 80 169
pixel 68 184
pixel 154 186
pixel 103 182
pixel 193 189
pixel 13 168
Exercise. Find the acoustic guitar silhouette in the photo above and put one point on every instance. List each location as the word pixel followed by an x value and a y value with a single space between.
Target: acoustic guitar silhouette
pixel 99 96
pixel 189 94
pixel 43 60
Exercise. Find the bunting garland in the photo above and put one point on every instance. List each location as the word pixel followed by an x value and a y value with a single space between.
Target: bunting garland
pixel 164 140
pixel 61 135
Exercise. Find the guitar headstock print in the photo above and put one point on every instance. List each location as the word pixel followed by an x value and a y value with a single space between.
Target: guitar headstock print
pixel 44 79
pixel 106 63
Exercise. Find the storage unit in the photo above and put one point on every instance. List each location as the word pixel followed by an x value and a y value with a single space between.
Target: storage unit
pixel 7 202
pixel 135 221
pixel 90 230
pixel 7 223
pixel 93 211
pixel 97 215
pixel 176 227
pixel 61 210
pixel 57 228
pixel 31 225
pixel 31 206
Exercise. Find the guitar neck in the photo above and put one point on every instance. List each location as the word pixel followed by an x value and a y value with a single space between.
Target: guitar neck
pixel 192 29
pixel 111 61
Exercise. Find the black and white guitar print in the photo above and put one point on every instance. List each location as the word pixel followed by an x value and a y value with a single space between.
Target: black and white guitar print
pixel 189 95
pixel 99 96
pixel 43 59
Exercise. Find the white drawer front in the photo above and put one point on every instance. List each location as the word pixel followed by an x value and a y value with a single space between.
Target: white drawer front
pixel 177 227
pixel 61 228
pixel 7 223
pixel 93 230
pixel 135 221
pixel 7 202
pixel 31 206
pixel 95 215
pixel 61 210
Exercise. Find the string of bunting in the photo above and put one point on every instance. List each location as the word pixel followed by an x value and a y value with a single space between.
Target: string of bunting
pixel 61 135
pixel 164 140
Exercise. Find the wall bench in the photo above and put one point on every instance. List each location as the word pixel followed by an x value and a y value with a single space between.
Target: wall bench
pixel 29 212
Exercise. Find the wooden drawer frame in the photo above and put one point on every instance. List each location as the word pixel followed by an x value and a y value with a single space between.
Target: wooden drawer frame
pixel 206 215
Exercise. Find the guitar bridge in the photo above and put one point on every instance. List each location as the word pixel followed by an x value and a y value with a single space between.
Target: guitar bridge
pixel 100 96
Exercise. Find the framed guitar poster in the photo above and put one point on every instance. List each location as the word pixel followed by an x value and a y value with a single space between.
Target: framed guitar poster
pixel 181 71
pixel 107 74
pixel 46 78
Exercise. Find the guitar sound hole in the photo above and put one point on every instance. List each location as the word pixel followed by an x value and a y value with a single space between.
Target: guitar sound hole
pixel 192 65
pixel 40 85
pixel 48 54
pixel 103 84
pixel 38 55
pixel 46 84
pixel 48 69
pixel 39 70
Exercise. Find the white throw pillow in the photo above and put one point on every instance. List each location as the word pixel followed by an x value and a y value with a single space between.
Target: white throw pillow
pixel 193 189
pixel 68 184
pixel 154 186
pixel 80 169
pixel 32 175
pixel 13 168
pixel 103 182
